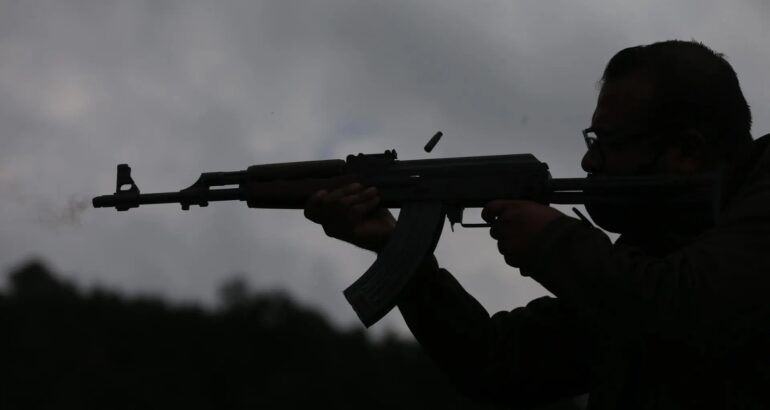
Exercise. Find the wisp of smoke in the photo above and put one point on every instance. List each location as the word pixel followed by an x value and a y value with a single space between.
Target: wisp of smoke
pixel 62 216
pixel 71 214
pixel 47 212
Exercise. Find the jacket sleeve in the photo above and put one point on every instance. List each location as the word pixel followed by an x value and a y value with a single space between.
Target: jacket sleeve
pixel 710 295
pixel 531 355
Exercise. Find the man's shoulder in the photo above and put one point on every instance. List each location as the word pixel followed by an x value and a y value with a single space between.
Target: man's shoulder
pixel 757 163
pixel 761 151
pixel 748 170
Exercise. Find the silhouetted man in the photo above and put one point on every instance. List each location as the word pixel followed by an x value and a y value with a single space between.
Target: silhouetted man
pixel 667 316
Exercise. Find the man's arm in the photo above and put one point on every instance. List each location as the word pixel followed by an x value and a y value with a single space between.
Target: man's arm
pixel 531 355
pixel 711 294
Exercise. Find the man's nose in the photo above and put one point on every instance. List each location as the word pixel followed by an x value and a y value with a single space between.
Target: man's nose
pixel 591 162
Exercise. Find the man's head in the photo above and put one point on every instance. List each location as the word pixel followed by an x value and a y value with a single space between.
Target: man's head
pixel 673 107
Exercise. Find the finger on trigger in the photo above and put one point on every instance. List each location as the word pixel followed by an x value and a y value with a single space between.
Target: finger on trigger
pixel 493 232
pixel 491 211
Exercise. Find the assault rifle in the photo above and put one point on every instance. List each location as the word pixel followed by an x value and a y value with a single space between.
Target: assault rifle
pixel 428 191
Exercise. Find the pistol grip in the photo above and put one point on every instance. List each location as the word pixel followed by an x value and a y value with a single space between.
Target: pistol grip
pixel 417 232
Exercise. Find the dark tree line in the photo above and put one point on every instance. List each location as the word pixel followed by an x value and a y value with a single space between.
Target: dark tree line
pixel 62 347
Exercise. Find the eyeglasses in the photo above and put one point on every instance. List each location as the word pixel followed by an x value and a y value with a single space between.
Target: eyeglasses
pixel 608 140
pixel 592 140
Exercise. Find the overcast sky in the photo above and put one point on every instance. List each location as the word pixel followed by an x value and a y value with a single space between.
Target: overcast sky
pixel 176 88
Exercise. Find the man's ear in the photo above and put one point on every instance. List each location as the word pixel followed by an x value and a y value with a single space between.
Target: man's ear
pixel 690 152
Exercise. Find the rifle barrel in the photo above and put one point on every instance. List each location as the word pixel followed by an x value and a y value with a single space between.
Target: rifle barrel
pixel 133 200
